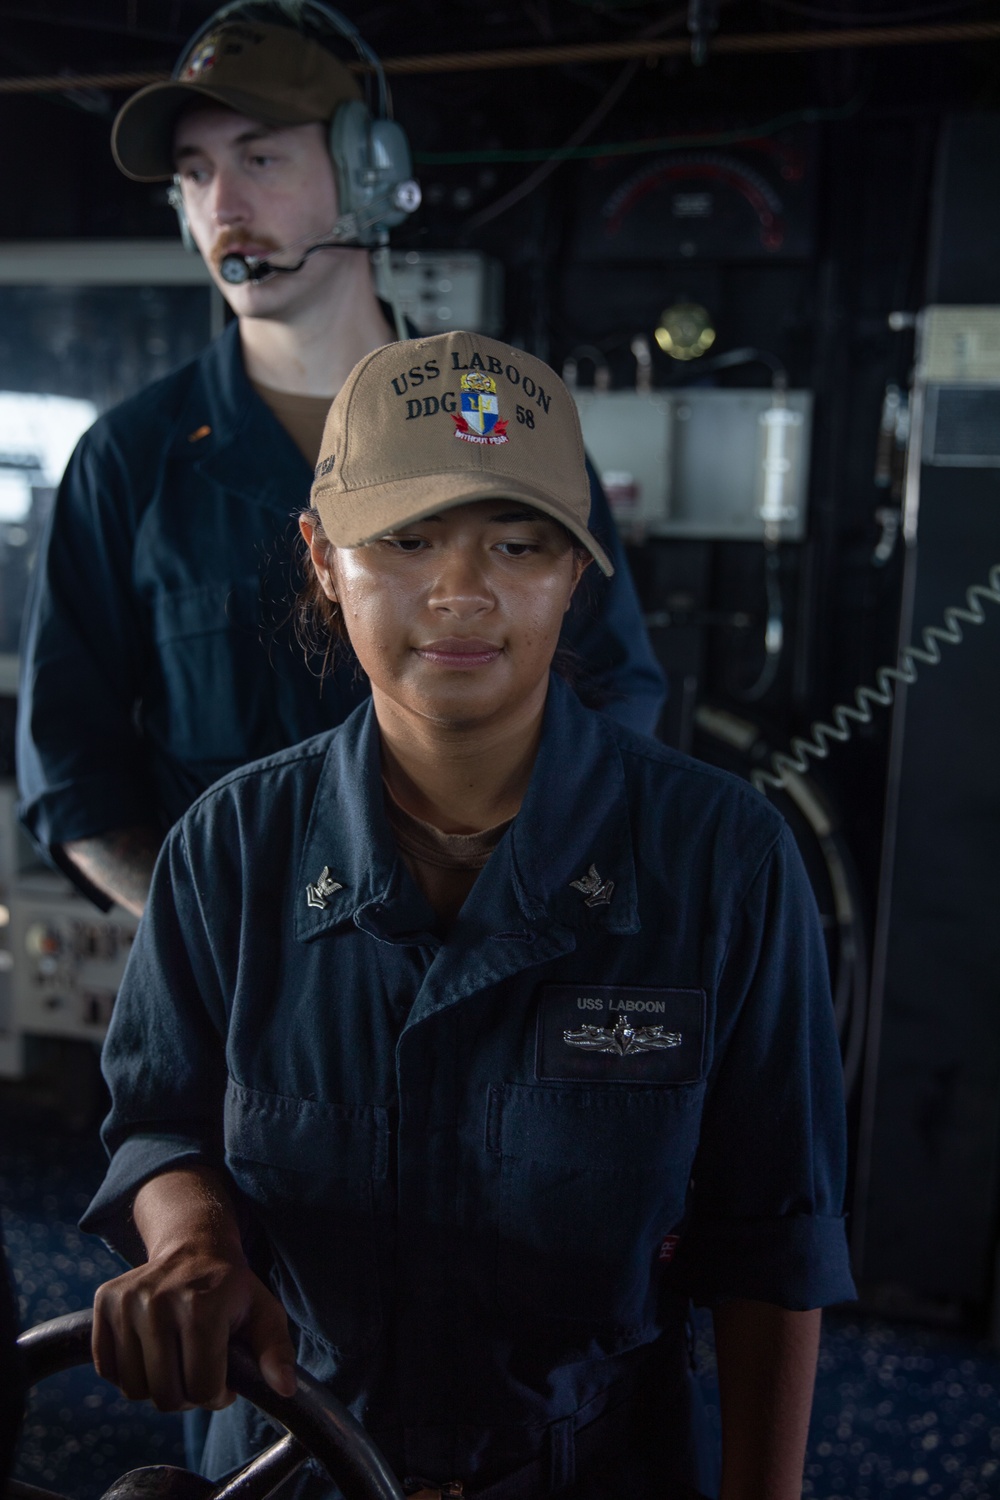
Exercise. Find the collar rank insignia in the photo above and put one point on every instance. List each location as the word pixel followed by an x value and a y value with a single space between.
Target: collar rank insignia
pixel 325 886
pixel 595 891
pixel 480 421
pixel 622 1038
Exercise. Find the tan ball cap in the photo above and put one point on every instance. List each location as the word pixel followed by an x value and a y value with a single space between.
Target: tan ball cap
pixel 427 424
pixel 273 74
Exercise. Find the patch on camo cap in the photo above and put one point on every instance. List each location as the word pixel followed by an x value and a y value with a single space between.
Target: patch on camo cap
pixel 273 74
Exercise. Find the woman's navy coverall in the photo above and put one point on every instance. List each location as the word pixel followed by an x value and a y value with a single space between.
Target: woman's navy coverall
pixel 157 653
pixel 484 1175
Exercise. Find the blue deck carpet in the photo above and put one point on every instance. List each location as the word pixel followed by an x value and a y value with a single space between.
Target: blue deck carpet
pixel 899 1411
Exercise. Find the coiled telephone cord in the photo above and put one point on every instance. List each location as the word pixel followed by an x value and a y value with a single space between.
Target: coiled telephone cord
pixel 845 715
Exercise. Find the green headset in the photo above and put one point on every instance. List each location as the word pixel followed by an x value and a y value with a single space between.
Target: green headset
pixel 370 153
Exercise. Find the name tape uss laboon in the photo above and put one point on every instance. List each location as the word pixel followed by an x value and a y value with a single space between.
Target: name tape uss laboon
pixel 619 1033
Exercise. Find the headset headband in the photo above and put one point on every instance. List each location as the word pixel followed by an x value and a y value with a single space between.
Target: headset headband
pixel 314 13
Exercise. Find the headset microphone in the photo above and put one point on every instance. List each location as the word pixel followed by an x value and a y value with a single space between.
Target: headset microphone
pixel 349 229
pixel 237 270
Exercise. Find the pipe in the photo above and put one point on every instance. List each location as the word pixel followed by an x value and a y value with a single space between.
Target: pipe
pixel 581 52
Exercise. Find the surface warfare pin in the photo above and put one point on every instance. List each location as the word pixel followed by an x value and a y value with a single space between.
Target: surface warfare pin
pixel 480 421
pixel 622 1038
pixel 325 886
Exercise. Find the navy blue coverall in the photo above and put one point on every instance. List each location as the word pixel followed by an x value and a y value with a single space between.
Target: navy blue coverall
pixel 485 1174
pixel 157 653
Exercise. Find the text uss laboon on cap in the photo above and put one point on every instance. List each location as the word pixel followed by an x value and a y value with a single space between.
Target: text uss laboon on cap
pixel 426 424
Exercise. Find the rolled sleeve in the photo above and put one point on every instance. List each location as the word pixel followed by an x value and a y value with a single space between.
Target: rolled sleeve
pixel 768 1182
pixel 798 1261
pixel 164 1058
pixel 139 1158
pixel 81 764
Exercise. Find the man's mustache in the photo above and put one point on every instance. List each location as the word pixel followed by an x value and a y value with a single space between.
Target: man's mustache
pixel 235 239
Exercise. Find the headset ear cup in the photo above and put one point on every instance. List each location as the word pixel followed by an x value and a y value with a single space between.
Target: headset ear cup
pixel 374 170
pixel 350 148
pixel 398 194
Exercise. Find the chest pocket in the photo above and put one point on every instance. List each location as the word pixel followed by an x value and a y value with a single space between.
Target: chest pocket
pixel 315 1177
pixel 216 702
pixel 592 1180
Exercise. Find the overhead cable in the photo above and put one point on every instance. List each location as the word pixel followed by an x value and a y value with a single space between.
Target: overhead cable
pixel 744 43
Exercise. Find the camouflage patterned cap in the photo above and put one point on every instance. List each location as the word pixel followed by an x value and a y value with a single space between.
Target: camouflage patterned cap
pixel 273 74
pixel 426 424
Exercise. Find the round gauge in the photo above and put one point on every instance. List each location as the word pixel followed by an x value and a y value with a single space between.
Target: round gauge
pixel 685 330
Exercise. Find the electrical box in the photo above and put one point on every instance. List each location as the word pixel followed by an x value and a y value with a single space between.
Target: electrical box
pixel 68 960
pixel 442 289
pixel 958 374
pixel 704 464
pixel 627 435
pixel 959 345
